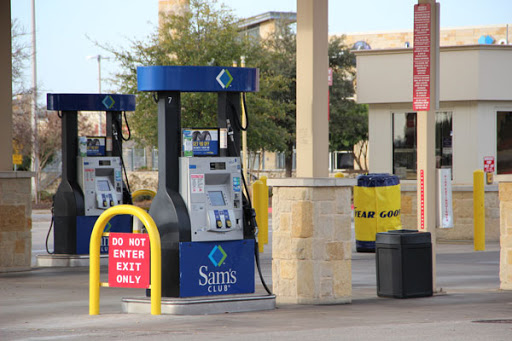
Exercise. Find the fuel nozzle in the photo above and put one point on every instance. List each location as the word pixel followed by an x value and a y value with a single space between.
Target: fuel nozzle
pixel 230 130
pixel 251 227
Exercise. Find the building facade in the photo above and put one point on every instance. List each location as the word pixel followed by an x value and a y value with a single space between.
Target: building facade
pixel 472 123
pixel 471 35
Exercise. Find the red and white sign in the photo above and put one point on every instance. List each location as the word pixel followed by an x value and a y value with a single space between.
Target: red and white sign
pixel 329 76
pixel 489 164
pixel 128 260
pixel 197 183
pixel 421 57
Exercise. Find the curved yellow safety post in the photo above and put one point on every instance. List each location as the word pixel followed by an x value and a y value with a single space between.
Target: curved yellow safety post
pixel 339 175
pixel 144 191
pixel 94 255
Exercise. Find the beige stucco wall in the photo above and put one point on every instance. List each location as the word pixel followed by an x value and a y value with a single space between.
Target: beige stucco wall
pixel 467 73
pixel 380 153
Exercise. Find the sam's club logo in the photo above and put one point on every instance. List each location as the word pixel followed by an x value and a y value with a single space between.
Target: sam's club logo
pixel 108 102
pixel 224 78
pixel 215 281
pixel 217 256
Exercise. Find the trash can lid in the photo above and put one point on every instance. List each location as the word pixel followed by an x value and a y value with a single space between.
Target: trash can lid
pixel 403 237
pixel 377 180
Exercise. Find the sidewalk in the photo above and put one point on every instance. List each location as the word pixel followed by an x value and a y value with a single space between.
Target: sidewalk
pixel 52 303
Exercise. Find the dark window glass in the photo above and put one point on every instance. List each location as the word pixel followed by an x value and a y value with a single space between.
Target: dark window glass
pixel 343 160
pixel 444 140
pixel 404 143
pixel 504 142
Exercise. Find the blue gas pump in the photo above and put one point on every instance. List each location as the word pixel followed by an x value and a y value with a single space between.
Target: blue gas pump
pixel 91 171
pixel 207 228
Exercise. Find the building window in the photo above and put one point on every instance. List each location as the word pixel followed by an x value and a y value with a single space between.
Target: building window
pixel 342 160
pixel 504 142
pixel 444 134
pixel 404 143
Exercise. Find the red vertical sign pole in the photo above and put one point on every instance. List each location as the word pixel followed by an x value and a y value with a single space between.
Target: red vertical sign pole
pixel 421 81
pixel 425 103
pixel 421 57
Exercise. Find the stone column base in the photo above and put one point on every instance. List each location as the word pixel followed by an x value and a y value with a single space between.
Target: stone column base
pixel 311 240
pixel 505 190
pixel 15 221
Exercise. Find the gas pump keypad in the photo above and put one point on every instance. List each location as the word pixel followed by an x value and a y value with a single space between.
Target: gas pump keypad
pixel 210 187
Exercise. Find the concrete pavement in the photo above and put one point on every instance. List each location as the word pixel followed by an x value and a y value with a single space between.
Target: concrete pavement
pixel 52 303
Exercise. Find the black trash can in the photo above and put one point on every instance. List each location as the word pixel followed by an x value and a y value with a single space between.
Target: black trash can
pixel 404 264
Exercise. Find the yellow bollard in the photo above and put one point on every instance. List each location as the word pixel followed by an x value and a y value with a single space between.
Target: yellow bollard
pixel 94 256
pixel 263 179
pixel 264 234
pixel 260 203
pixel 478 210
pixel 339 175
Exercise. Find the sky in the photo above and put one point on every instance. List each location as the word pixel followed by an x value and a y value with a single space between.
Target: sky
pixel 66 30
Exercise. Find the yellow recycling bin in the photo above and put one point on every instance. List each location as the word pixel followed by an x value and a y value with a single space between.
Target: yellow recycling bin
pixel 376 208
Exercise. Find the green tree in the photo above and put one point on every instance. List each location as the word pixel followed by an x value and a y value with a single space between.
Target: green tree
pixel 278 86
pixel 206 35
pixel 348 124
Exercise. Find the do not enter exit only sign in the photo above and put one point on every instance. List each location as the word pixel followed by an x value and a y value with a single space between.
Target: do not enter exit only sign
pixel 128 260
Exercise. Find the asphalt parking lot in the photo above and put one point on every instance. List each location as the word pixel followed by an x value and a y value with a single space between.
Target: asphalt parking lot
pixel 52 303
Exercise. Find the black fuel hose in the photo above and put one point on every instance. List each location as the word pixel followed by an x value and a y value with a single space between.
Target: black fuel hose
pixel 250 214
pixel 48 236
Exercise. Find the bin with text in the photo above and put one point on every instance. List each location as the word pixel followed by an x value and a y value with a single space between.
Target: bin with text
pixel 377 208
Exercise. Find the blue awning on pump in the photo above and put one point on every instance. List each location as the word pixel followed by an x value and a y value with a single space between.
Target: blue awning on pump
pixel 197 79
pixel 90 102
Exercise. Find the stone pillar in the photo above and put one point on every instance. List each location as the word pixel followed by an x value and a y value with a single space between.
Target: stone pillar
pixel 15 221
pixel 311 240
pixel 172 7
pixel 505 190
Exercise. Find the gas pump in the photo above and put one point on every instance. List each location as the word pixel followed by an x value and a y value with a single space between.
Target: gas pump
pixel 91 171
pixel 101 182
pixel 207 228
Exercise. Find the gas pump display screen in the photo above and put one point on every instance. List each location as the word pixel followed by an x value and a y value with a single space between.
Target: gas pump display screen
pixel 103 186
pixel 217 165
pixel 216 198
